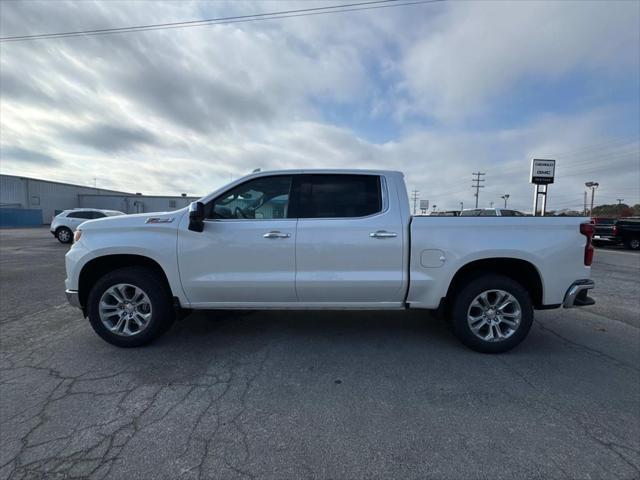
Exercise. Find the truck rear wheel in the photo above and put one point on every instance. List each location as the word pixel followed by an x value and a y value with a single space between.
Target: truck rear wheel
pixel 130 307
pixel 492 314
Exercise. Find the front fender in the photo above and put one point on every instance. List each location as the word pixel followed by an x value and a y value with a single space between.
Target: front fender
pixel 157 242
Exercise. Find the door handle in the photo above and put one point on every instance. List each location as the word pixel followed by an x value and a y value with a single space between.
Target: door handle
pixel 276 234
pixel 383 234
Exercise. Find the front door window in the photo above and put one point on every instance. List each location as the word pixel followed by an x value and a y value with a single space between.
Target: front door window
pixel 264 198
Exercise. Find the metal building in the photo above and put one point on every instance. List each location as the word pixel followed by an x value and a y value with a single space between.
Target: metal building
pixel 28 201
pixel 134 203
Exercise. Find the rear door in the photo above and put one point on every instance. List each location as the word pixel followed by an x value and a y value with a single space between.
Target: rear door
pixel 349 247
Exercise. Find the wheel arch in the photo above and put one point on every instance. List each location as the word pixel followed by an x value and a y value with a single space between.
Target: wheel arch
pixel 521 271
pixel 97 267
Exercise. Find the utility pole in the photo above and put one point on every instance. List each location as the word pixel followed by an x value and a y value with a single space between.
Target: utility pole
pixel 505 197
pixel 477 185
pixel 592 186
pixel 414 196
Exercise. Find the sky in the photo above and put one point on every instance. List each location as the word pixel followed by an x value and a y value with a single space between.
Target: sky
pixel 438 91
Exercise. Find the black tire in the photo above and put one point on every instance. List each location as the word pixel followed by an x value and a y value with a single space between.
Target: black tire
pixel 162 312
pixel 64 235
pixel 633 243
pixel 466 296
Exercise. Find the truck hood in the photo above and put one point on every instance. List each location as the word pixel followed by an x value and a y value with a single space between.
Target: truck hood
pixel 155 219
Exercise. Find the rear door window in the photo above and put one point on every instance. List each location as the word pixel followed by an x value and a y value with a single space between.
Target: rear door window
pixel 85 215
pixel 339 196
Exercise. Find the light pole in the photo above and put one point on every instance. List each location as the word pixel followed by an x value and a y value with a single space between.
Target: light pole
pixel 491 205
pixel 461 206
pixel 505 197
pixel 592 186
pixel 620 200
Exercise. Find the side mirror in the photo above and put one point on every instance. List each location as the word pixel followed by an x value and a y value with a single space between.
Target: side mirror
pixel 196 216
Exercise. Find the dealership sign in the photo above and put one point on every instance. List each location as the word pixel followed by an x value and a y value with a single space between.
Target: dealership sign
pixel 542 171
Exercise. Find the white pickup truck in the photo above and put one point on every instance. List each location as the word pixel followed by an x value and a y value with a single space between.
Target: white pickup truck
pixel 326 239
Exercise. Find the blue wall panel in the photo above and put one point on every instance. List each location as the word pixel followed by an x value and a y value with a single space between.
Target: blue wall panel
pixel 20 217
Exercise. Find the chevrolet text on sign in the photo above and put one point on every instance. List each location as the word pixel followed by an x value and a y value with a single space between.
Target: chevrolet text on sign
pixel 542 171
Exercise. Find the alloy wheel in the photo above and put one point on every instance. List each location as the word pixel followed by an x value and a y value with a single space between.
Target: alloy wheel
pixel 494 315
pixel 125 309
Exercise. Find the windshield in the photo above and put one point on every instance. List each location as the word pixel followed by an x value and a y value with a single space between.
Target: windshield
pixel 471 213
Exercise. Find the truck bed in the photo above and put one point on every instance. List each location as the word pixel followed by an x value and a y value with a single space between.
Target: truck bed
pixel 440 246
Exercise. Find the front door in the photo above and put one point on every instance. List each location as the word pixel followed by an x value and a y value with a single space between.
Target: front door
pixel 246 253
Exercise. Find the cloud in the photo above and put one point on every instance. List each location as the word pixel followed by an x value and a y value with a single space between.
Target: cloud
pixel 436 91
pixel 110 138
pixel 28 156
pixel 482 51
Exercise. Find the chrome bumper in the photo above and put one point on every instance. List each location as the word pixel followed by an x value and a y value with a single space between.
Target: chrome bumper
pixel 73 297
pixel 576 296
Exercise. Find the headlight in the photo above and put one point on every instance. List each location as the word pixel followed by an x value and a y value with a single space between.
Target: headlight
pixel 76 235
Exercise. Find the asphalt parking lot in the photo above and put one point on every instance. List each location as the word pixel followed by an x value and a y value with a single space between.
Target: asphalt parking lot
pixel 314 395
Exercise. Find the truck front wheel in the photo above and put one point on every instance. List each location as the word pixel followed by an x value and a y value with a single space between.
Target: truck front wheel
pixel 492 314
pixel 130 307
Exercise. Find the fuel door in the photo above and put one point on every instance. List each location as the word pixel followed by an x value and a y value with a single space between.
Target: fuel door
pixel 432 258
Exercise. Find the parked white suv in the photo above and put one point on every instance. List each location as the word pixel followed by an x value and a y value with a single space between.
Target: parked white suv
pixel 64 224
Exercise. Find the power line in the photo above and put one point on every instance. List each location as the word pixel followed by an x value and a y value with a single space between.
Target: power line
pixel 349 7
pixel 601 160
